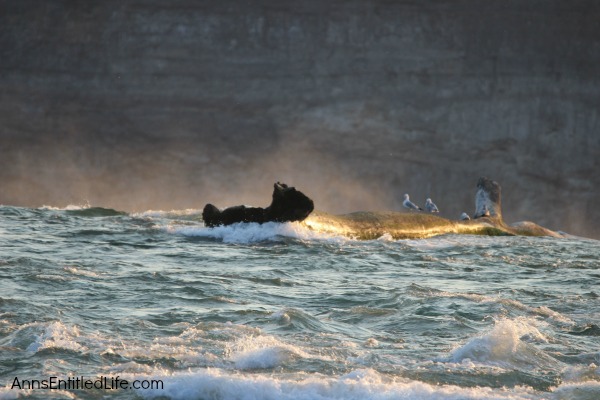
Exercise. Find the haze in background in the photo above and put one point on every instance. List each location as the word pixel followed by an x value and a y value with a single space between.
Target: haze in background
pixel 169 105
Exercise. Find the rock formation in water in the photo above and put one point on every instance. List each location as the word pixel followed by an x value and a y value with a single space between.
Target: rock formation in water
pixel 371 225
pixel 288 205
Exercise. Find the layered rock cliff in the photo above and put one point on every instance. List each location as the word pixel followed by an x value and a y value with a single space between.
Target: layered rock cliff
pixel 153 104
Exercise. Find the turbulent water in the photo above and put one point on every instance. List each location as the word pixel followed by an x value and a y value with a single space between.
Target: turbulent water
pixel 278 311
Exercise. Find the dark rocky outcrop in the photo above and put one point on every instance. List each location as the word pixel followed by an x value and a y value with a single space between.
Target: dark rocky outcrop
pixel 288 205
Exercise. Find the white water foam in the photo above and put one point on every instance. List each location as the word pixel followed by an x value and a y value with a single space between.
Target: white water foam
pixel 6 393
pixel 57 335
pixel 577 391
pixel 452 242
pixel 365 384
pixel 80 272
pixel 581 373
pixel 253 232
pixel 70 207
pixel 509 344
pixel 263 352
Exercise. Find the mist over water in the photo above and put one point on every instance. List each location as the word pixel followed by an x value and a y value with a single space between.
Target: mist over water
pixel 151 181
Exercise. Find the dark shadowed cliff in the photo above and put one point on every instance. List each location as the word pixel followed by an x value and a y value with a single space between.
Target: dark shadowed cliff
pixel 171 104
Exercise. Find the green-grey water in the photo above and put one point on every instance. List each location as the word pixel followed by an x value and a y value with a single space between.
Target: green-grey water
pixel 277 311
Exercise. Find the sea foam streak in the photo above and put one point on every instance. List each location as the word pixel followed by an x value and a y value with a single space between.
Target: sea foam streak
pixel 364 384
pixel 253 232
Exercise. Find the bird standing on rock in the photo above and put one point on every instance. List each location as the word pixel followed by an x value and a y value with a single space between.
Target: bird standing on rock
pixel 409 204
pixel 430 207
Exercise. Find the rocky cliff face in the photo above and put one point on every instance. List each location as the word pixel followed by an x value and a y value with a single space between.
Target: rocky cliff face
pixel 153 104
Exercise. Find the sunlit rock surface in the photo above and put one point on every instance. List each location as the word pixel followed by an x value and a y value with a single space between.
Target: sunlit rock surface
pixel 415 224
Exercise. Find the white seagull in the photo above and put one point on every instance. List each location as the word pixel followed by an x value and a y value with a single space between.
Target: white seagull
pixel 430 207
pixel 464 217
pixel 409 204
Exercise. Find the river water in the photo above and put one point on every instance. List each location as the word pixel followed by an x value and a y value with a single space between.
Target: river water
pixel 278 311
